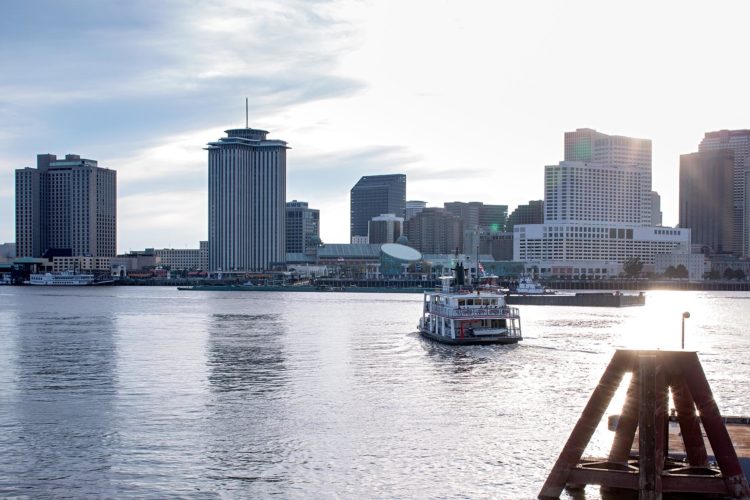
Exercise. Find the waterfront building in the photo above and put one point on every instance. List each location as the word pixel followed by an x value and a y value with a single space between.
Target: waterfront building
pixel 737 141
pixel 706 199
pixel 7 252
pixel 498 244
pixel 302 226
pixel 597 211
pixel 435 230
pixel 373 195
pixel 531 213
pixel 66 206
pixel 136 260
pixel 85 264
pixel 695 263
pixel 558 249
pixel 184 259
pixel 385 228
pixel 413 207
pixel 656 215
pixel 246 201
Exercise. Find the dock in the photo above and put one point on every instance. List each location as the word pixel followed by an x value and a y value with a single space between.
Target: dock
pixel 596 299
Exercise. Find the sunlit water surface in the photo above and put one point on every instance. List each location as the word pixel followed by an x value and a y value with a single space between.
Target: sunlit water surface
pixel 151 392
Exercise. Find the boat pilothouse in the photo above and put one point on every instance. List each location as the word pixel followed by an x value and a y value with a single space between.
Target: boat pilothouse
pixel 461 315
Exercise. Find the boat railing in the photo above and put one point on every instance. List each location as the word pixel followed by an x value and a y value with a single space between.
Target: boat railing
pixel 474 311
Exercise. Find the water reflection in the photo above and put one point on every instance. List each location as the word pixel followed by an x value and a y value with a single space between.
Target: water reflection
pixel 63 430
pixel 248 446
pixel 245 353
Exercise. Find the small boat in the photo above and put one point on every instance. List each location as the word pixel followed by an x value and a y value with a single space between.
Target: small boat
pixel 527 286
pixel 66 278
pixel 464 316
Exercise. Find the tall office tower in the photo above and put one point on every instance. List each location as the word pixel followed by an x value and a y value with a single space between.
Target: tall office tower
pixel 588 145
pixel 576 191
pixel 385 228
pixel 706 206
pixel 435 230
pixel 738 141
pixel 493 217
pixel 246 201
pixel 531 213
pixel 468 212
pixel 413 207
pixel 66 206
pixel 373 195
pixel 656 218
pixel 579 145
pixel 476 214
pixel 302 224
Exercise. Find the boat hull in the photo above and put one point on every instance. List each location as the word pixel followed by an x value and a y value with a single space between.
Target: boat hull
pixel 487 339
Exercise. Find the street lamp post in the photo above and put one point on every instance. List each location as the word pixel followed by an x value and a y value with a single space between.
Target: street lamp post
pixel 685 316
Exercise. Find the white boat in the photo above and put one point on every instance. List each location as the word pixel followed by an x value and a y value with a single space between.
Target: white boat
pixel 457 315
pixel 527 286
pixel 66 278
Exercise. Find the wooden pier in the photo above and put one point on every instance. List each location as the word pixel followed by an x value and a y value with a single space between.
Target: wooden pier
pixel 652 471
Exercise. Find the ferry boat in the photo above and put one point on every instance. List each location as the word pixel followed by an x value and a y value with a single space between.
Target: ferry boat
pixel 463 316
pixel 62 279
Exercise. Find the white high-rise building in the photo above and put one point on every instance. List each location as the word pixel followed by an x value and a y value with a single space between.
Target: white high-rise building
pixel 737 141
pixel 588 145
pixel 246 201
pixel 577 191
pixel 597 211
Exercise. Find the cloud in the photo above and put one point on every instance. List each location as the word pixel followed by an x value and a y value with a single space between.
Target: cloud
pixel 134 84
pixel 337 172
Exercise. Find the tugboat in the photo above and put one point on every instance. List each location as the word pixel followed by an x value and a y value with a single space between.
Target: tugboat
pixel 462 315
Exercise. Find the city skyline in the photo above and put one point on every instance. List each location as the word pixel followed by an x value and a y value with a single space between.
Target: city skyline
pixel 355 94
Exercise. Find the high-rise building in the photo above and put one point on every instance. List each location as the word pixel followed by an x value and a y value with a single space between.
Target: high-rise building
pixel 302 225
pixel 493 217
pixel 597 211
pixel 656 216
pixel 385 228
pixel 246 201
pixel 413 207
pixel 531 213
pixel 468 212
pixel 591 192
pixel 435 230
pixel 706 203
pixel 373 195
pixel 67 207
pixel 737 141
pixel 475 214
pixel 588 145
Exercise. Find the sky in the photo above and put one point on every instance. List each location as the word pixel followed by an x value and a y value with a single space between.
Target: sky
pixel 469 99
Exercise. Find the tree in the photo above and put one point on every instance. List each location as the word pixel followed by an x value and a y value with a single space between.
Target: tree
pixel 632 266
pixel 681 272
pixel 714 274
pixel 728 274
pixel 670 272
pixel 739 274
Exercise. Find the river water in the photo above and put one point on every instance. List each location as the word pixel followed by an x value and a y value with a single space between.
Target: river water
pixel 152 392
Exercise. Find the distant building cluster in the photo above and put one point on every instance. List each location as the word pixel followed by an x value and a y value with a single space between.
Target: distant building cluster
pixel 599 211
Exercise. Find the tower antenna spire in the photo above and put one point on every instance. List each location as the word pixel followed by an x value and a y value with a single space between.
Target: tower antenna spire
pixel 246 115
